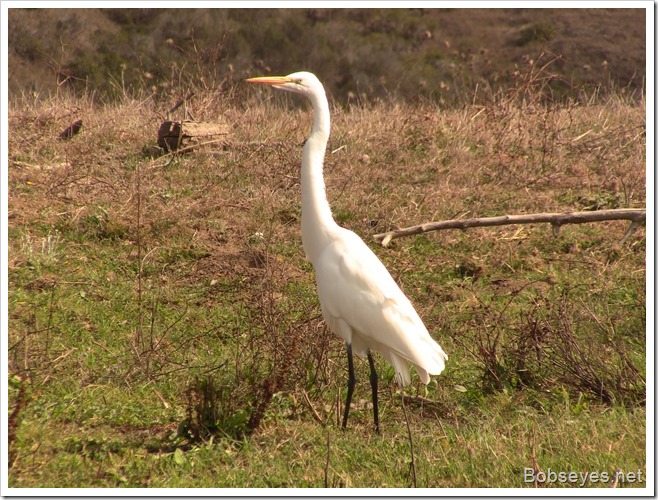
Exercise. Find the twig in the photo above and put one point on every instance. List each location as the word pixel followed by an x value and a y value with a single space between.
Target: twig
pixel 161 397
pixel 310 405
pixel 629 232
pixel 418 400
pixel 326 465
pixel 635 215
pixel 49 324
pixel 174 154
pixel 535 466
pixel 412 464
pixel 140 311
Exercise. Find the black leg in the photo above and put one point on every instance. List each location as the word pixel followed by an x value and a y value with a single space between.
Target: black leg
pixel 373 384
pixel 351 382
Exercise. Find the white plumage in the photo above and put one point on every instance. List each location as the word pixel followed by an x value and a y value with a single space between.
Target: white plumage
pixel 360 300
pixel 362 303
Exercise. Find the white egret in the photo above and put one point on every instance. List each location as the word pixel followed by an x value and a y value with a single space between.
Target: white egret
pixel 360 301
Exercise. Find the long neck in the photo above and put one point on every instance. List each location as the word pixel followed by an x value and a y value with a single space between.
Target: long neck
pixel 317 222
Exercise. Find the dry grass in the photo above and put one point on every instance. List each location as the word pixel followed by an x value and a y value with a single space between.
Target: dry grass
pixel 153 279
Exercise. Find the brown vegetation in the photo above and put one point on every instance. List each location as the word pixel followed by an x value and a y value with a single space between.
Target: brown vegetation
pixel 175 286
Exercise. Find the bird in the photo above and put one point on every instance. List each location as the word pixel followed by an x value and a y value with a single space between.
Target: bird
pixel 359 299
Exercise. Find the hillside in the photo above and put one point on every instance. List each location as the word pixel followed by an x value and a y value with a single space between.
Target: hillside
pixel 443 54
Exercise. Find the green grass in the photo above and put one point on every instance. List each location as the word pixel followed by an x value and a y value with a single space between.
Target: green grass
pixel 489 447
pixel 133 330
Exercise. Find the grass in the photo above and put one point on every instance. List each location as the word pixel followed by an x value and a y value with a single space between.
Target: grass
pixel 157 301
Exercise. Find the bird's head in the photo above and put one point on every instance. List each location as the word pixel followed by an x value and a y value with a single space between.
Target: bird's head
pixel 301 82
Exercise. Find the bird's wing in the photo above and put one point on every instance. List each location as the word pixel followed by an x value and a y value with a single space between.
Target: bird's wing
pixel 355 286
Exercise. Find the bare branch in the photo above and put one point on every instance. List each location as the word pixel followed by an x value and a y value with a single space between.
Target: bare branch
pixel 635 215
pixel 629 232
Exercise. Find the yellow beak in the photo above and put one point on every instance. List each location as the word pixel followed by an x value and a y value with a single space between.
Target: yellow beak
pixel 270 80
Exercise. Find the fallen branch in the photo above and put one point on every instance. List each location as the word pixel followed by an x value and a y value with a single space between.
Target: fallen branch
pixel 635 215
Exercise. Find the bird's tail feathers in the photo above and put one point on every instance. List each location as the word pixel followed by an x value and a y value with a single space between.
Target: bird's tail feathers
pixel 431 361
pixel 401 365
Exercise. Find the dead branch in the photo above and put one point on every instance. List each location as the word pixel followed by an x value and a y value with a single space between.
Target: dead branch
pixel 635 215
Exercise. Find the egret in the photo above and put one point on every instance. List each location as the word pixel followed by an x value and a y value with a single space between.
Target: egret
pixel 360 301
